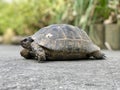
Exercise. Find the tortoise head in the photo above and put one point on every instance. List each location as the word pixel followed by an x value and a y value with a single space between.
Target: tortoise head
pixel 26 43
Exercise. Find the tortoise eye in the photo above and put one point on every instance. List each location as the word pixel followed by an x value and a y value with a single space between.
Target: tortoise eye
pixel 25 40
pixel 30 39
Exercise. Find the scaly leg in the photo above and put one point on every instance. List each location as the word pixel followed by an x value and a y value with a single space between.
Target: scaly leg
pixel 39 52
pixel 27 54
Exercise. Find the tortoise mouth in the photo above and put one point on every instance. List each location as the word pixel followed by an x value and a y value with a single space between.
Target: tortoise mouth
pixel 23 44
pixel 26 43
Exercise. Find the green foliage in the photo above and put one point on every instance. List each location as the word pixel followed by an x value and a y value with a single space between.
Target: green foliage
pixel 101 11
pixel 84 12
pixel 83 8
pixel 27 16
pixel 76 12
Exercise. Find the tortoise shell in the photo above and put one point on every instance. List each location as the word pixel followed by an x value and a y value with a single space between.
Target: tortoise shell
pixel 65 38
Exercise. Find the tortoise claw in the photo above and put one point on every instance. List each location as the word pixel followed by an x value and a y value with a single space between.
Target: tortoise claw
pixel 41 58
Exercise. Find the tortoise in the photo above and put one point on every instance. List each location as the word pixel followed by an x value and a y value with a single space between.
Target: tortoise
pixel 60 41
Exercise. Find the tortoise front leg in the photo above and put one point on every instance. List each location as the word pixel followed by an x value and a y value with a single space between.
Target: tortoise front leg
pixel 27 54
pixel 39 52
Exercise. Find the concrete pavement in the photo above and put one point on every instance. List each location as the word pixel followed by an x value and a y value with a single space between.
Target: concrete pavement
pixel 16 73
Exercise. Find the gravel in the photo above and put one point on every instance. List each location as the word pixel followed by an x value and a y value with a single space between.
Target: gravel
pixel 16 73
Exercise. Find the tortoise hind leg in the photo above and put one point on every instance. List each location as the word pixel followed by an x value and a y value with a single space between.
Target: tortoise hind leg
pixel 27 54
pixel 98 55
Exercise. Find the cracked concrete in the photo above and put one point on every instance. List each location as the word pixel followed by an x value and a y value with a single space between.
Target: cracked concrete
pixel 16 73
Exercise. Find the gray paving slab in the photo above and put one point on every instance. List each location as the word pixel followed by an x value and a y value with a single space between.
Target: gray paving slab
pixel 16 73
